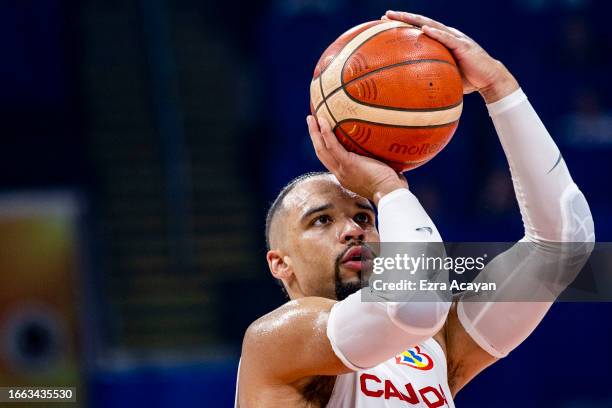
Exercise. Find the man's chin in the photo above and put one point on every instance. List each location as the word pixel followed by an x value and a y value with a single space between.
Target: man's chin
pixel 348 280
pixel 345 289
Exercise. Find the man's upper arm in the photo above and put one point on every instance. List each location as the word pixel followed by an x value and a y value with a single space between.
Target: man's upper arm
pixel 290 343
pixel 465 358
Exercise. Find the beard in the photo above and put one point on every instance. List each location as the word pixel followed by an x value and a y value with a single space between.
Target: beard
pixel 344 289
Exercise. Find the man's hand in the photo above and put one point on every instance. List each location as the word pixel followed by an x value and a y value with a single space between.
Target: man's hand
pixel 365 176
pixel 480 72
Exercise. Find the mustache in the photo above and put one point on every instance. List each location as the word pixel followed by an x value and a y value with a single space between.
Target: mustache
pixel 343 290
pixel 348 248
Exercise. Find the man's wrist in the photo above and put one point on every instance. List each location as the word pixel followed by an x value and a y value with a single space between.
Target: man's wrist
pixel 501 87
pixel 386 189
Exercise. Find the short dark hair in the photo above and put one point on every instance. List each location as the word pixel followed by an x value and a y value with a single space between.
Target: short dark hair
pixel 280 198
pixel 278 203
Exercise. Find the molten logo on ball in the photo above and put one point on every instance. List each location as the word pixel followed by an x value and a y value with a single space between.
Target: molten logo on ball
pixel 415 150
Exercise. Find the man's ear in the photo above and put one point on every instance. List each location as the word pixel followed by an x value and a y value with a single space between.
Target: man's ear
pixel 279 264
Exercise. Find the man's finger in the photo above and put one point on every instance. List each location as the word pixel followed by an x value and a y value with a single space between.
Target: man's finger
pixel 457 33
pixel 415 19
pixel 313 126
pixel 319 144
pixel 331 141
pixel 420 21
pixel 315 136
pixel 446 38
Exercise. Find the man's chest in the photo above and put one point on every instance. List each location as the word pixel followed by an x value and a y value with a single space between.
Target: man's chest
pixel 415 377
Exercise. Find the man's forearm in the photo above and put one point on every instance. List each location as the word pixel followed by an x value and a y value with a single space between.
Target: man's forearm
pixel 544 188
pixel 558 232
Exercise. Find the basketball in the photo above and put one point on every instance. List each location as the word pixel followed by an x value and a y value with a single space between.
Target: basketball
pixel 389 92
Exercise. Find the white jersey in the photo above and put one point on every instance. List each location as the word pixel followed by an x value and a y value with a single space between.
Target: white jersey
pixel 416 378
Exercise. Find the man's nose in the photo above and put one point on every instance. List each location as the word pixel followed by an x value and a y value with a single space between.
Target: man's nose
pixel 352 232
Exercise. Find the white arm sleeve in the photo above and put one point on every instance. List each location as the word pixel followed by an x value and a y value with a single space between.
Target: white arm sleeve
pixel 553 210
pixel 364 334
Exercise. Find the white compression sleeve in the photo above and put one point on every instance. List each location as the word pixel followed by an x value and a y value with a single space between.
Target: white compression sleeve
pixel 364 334
pixel 553 211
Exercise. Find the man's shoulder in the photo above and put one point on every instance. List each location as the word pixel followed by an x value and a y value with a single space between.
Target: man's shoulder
pixel 282 335
pixel 288 318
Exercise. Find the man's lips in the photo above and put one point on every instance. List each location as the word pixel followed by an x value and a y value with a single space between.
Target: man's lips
pixel 356 257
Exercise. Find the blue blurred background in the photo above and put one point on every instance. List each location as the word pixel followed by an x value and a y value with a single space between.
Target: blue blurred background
pixel 147 138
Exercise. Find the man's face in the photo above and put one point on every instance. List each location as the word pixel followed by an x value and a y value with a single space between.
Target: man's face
pixel 324 229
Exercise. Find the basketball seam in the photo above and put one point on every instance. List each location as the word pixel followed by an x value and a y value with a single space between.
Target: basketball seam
pixel 335 56
pixel 408 62
pixel 354 52
pixel 395 126
pixel 325 102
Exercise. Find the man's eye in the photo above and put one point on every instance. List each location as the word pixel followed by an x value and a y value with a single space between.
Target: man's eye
pixel 362 218
pixel 322 220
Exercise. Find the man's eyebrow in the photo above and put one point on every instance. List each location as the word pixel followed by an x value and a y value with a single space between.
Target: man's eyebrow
pixel 316 210
pixel 365 206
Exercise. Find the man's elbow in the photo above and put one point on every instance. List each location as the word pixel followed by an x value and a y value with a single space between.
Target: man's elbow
pixel 578 226
pixel 572 225
pixel 423 317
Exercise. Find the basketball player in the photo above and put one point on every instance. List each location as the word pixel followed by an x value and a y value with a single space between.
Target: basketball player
pixel 326 347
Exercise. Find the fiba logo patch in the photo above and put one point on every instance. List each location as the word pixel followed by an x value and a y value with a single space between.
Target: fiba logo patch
pixel 415 358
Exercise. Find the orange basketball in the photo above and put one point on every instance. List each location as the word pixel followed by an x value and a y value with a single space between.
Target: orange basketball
pixel 389 92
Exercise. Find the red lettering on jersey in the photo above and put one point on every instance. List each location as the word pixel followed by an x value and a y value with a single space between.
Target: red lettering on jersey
pixel 412 396
pixel 391 391
pixel 430 395
pixel 438 402
pixel 362 381
pixel 442 392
